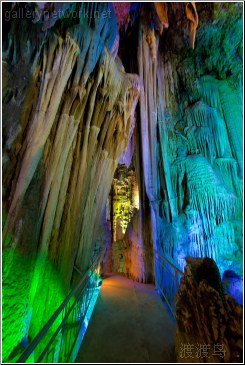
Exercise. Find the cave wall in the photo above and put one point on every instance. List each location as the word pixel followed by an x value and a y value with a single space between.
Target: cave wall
pixel 65 127
pixel 188 149
pixel 200 92
pixel 129 254
pixel 188 132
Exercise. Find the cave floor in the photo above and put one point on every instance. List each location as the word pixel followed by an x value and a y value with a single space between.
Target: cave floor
pixel 129 324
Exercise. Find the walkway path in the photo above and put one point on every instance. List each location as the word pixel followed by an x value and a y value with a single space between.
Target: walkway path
pixel 129 324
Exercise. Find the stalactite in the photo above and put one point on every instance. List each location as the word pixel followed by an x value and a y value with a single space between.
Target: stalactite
pixel 219 95
pixel 233 115
pixel 191 14
pixel 201 115
pixel 148 115
pixel 164 140
pixel 193 132
pixel 151 40
pixel 77 127
pixel 209 195
pixel 228 169
pixel 162 12
pixel 209 92
pixel 123 196
pixel 58 58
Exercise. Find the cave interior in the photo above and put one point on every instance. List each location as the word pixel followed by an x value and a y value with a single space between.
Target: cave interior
pixel 122 152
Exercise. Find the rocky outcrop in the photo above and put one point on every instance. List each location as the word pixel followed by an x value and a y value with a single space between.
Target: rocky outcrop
pixel 124 200
pixel 138 256
pixel 209 323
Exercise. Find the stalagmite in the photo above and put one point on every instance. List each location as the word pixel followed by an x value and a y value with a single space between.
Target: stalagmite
pixel 78 126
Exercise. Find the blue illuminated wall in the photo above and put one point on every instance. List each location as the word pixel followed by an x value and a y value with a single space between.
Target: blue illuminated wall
pixel 191 136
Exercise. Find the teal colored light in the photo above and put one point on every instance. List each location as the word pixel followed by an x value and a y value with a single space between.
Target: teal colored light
pixel 32 291
pixel 16 282
pixel 85 322
pixel 27 306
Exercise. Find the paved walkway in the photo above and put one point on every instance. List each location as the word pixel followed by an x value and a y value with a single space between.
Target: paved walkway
pixel 129 324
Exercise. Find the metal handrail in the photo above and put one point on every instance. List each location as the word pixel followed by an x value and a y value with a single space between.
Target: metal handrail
pixel 164 288
pixel 169 263
pixel 59 328
pixel 30 349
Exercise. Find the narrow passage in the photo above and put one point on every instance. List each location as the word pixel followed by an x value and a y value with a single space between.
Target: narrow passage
pixel 129 324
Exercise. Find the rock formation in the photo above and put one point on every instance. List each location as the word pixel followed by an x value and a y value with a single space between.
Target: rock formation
pixel 209 323
pixel 187 149
pixel 72 123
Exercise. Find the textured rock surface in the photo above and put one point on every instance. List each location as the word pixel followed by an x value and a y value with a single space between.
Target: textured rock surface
pixel 72 122
pixel 207 320
pixel 190 149
pixel 124 200
pixel 187 149
pixel 124 255
pixel 136 254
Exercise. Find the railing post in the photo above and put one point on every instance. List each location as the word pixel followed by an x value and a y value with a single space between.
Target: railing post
pixel 79 293
pixel 169 284
pixel 176 281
